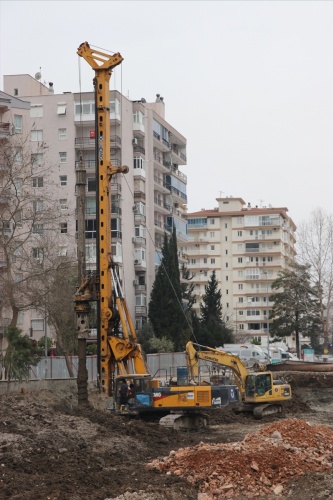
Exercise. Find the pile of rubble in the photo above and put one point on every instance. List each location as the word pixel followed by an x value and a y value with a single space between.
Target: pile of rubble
pixel 259 466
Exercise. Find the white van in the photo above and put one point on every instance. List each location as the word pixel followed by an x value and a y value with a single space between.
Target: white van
pixel 247 352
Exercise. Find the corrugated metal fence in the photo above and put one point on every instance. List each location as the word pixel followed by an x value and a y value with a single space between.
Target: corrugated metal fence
pixel 161 365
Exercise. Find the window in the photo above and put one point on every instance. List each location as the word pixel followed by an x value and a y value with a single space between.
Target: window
pixel 37 325
pixel 18 277
pixel 63 227
pixel 63 157
pixel 241 313
pixel 37 135
pixel 90 205
pixel 37 228
pixel 193 261
pixel 63 204
pixel 18 218
pixel 37 182
pixel 18 124
pixel 241 326
pixel 18 183
pixel 20 318
pixel 226 264
pixel 37 159
pixel 212 234
pixel 240 247
pixel 239 220
pixel 18 158
pixel 212 261
pixel 240 300
pixel 205 260
pixel 211 221
pixel 227 278
pixel 226 252
pixel 227 292
pixel 226 238
pixel 90 229
pixel 36 111
pixel 15 91
pixel 91 184
pixel 61 108
pixel 17 251
pixel 212 247
pixel 139 162
pixel 240 286
pixel 62 134
pixel 239 233
pixel 226 225
pixel 240 274
pixel 62 251
pixel 269 259
pixel 63 180
pixel 37 205
pixel 37 253
pixel 87 108
pixel 240 260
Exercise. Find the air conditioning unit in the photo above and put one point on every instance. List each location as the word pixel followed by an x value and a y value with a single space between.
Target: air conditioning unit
pixel 135 282
pixel 136 261
pixel 135 141
pixel 134 208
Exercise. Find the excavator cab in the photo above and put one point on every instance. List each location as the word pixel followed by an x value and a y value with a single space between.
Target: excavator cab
pixel 139 393
pixel 261 387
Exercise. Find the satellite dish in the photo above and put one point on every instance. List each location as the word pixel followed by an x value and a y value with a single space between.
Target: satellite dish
pixel 38 76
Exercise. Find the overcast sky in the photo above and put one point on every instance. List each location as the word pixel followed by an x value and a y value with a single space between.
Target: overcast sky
pixel 249 84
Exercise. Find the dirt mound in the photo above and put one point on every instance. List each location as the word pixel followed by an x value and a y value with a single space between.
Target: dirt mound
pixel 261 465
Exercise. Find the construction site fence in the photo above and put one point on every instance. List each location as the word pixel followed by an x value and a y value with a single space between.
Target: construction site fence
pixel 161 365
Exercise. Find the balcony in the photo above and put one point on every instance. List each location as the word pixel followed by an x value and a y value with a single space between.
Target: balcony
pixel 88 142
pixel 139 149
pixel 116 235
pixel 115 187
pixel 6 130
pixel 161 184
pixel 85 164
pixel 165 206
pixel 140 310
pixel 180 157
pixel 140 264
pixel 161 144
pixel 139 218
pixel 139 240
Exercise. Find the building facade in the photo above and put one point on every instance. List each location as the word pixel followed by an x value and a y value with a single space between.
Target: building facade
pixel 247 247
pixel 147 202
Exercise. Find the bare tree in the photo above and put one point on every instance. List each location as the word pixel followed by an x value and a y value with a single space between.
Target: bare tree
pixel 31 231
pixel 315 241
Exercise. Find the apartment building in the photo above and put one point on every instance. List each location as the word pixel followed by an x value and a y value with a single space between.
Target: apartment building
pixel 247 247
pixel 145 203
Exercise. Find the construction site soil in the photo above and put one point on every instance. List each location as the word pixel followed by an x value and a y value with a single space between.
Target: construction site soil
pixel 51 449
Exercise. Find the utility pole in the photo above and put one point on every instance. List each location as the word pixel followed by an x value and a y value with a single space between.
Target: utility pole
pixel 82 375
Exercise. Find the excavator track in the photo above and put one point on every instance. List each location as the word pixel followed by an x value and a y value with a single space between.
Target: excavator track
pixel 185 421
pixel 264 410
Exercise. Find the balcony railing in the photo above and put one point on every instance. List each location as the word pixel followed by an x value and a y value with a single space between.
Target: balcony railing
pixel 139 149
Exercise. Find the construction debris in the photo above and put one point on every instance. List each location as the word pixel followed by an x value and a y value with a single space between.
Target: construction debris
pixel 260 465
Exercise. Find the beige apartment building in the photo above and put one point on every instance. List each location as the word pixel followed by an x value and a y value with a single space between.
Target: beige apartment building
pixel 247 247
pixel 147 202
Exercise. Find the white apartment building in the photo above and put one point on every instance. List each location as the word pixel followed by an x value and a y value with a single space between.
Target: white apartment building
pixel 247 247
pixel 147 202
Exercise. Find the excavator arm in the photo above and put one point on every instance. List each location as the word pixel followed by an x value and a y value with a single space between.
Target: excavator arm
pixel 217 357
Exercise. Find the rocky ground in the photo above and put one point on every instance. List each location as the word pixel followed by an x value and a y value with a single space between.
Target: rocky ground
pixel 51 449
